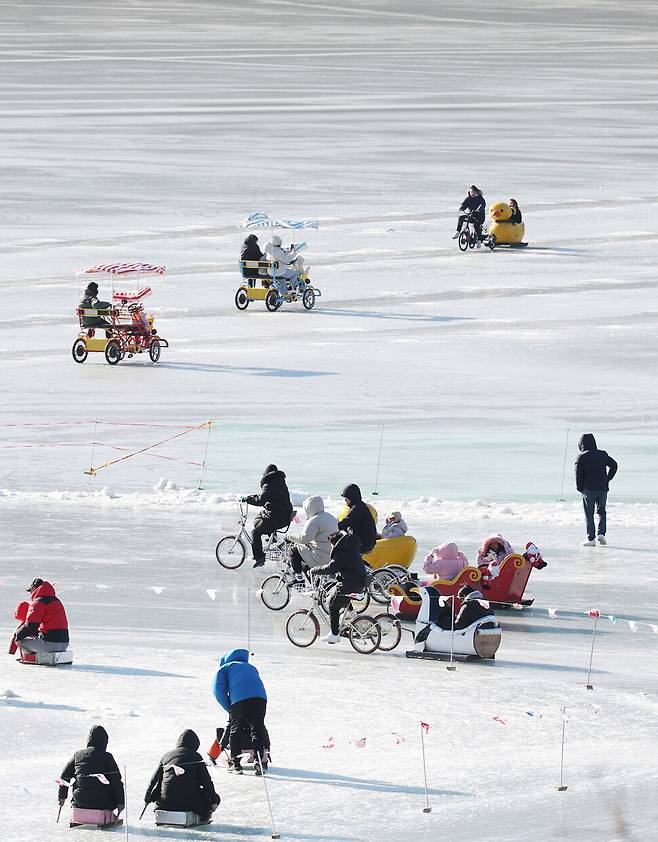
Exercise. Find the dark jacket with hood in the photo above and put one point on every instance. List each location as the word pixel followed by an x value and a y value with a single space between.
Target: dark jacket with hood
pixel 594 468
pixel 90 301
pixel 346 564
pixel 45 617
pixel 475 205
pixel 251 251
pixel 193 790
pixel 358 520
pixel 471 610
pixel 274 497
pixel 89 792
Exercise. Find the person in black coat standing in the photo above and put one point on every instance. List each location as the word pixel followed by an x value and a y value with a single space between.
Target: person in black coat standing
pixel 359 519
pixel 350 570
pixel 189 790
pixel 251 251
pixel 88 791
pixel 475 206
pixel 594 470
pixel 274 497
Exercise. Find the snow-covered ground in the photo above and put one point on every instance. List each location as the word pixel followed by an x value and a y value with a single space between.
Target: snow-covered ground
pixel 454 385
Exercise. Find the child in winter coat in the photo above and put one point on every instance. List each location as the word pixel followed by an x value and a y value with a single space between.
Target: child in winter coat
pixel 491 554
pixel 445 561
pixel 395 527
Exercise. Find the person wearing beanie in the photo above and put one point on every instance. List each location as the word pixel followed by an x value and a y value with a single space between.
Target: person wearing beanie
pixel 394 527
pixel 90 301
pixel 594 470
pixel 45 628
pixel 274 497
pixel 358 519
pixel 475 207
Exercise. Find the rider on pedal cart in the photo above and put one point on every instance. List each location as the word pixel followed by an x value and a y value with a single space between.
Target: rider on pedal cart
pixel 475 207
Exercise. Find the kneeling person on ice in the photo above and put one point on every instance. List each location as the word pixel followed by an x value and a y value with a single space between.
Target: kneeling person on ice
pixel 315 546
pixel 474 607
pixel 274 497
pixel 45 628
pixel 182 783
pixel 94 779
pixel 240 691
pixel 350 570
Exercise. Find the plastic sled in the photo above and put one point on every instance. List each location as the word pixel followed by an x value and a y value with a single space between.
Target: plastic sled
pixel 173 818
pixel 400 551
pixel 47 659
pixel 82 817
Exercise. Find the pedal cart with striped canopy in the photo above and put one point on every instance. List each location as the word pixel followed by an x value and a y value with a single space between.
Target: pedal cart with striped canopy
pixel 123 328
pixel 271 280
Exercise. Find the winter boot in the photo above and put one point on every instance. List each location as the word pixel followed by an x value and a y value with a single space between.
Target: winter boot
pixel 235 766
pixel 602 539
pixel 589 543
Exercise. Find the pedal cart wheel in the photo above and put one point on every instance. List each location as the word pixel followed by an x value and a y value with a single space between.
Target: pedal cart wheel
pixel 241 299
pixel 272 300
pixel 79 351
pixel 113 353
pixel 391 631
pixel 274 593
pixel 463 240
pixel 365 635
pixel 381 580
pixel 308 299
pixel 155 349
pixel 302 628
pixel 230 552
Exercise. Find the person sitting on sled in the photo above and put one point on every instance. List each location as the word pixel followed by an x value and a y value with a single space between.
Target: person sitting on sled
pixel 277 511
pixel 90 301
pixel 516 218
pixel 314 546
pixel 93 778
pixel 239 689
pixel 394 527
pixel 182 783
pixel 274 251
pixel 358 519
pixel 475 207
pixel 350 570
pixel 45 628
pixel 491 554
pixel 445 561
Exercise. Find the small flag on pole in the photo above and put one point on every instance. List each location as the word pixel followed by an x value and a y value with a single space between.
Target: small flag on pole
pixel 425 726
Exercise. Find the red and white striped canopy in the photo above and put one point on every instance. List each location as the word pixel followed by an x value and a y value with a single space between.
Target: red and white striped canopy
pixel 123 269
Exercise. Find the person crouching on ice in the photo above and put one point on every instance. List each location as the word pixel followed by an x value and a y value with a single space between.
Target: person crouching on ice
pixel 274 497
pixel 182 783
pixel 240 691
pixel 45 628
pixel 349 568
pixel 94 779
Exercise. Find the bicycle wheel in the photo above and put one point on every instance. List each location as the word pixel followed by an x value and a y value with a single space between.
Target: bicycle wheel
pixel 391 631
pixel 361 605
pixel 275 593
pixel 381 579
pixel 230 552
pixel 302 628
pixel 463 240
pixel 365 635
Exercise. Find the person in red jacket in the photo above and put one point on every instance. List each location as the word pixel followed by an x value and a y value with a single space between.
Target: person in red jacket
pixel 45 628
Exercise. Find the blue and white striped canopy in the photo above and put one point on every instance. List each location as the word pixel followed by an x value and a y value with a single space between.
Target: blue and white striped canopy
pixel 260 219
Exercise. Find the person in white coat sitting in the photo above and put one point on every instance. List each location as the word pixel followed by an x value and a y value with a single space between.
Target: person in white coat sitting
pixel 394 527
pixel 284 272
pixel 314 547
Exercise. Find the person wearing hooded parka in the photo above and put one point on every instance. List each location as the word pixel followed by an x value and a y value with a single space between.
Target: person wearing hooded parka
pixel 314 547
pixel 359 519
pixel 95 776
pixel 274 497
pixel 594 470
pixel 181 783
pixel 350 570
pixel 251 251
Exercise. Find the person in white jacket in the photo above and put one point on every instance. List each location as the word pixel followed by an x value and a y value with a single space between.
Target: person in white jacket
pixel 283 273
pixel 314 547
pixel 394 527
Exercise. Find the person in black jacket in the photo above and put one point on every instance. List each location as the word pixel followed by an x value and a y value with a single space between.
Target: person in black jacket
pixel 350 570
pixel 251 251
pixel 274 497
pixel 89 792
pixel 594 470
pixel 475 206
pixel 359 519
pixel 516 218
pixel 90 301
pixel 472 608
pixel 189 790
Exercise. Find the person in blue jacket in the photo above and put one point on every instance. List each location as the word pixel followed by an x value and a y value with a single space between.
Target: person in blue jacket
pixel 240 691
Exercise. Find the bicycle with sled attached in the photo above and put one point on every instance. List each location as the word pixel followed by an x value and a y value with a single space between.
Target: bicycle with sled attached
pixel 231 550
pixel 468 237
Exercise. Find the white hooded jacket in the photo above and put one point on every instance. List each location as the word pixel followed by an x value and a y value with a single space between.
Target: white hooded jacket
pixel 319 526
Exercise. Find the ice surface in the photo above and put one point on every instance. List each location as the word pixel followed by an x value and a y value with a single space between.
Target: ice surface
pixel 144 131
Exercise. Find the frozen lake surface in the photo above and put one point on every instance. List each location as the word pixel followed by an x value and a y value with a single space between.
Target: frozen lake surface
pixel 455 385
